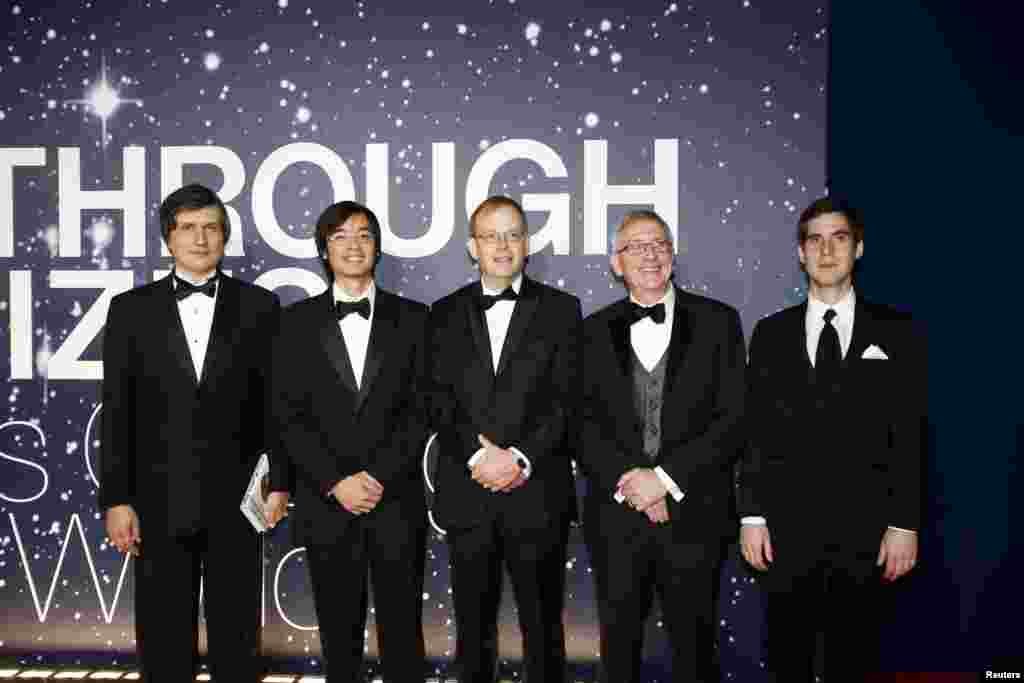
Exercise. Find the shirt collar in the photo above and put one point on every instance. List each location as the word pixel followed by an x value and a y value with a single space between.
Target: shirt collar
pixel 517 284
pixel 341 295
pixel 843 308
pixel 669 299
pixel 188 278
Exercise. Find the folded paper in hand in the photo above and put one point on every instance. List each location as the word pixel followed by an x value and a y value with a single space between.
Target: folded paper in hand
pixel 256 494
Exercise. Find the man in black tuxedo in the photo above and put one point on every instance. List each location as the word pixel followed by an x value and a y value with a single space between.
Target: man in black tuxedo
pixel 504 356
pixel 663 396
pixel 185 408
pixel 349 369
pixel 830 491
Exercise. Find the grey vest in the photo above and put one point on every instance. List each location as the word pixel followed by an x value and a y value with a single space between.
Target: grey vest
pixel 648 388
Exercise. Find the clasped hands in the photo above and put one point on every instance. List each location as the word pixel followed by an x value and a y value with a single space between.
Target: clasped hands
pixel 644 491
pixel 358 493
pixel 498 469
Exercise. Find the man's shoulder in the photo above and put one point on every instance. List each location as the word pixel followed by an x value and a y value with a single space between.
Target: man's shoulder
pixel 700 304
pixel 450 300
pixel 405 305
pixel 553 294
pixel 141 294
pixel 311 305
pixel 250 293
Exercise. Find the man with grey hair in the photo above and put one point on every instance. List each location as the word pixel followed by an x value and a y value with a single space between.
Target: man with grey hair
pixel 662 405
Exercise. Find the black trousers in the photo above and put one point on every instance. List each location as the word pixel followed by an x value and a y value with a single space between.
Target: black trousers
pixel 389 545
pixel 227 559
pixel 820 592
pixel 535 559
pixel 633 559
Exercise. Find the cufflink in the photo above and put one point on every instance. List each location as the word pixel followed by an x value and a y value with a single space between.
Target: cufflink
pixel 521 461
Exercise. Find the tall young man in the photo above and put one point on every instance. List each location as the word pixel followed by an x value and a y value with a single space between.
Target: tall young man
pixel 831 482
pixel 349 369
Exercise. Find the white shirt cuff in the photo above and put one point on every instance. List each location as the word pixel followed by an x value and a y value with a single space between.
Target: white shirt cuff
pixel 906 531
pixel 753 521
pixel 527 471
pixel 673 490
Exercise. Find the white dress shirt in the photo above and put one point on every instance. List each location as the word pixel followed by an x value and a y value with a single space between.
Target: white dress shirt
pixel 814 323
pixel 499 317
pixel 843 322
pixel 355 329
pixel 196 312
pixel 650 341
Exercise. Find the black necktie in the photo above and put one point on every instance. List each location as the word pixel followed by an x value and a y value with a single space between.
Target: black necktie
pixel 829 354
pixel 488 300
pixel 655 312
pixel 343 308
pixel 184 289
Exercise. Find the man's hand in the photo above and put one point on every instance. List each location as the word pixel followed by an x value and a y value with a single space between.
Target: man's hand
pixel 497 470
pixel 898 553
pixel 275 508
pixel 658 513
pixel 756 544
pixel 123 529
pixel 358 493
pixel 642 488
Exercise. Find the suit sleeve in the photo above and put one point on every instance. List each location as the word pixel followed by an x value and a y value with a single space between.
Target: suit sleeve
pixel 718 445
pixel 906 434
pixel 458 439
pixel 752 464
pixel 299 436
pixel 549 431
pixel 601 454
pixel 410 426
pixel 117 419
pixel 281 475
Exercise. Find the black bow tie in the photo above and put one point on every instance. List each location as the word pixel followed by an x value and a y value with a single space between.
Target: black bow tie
pixel 655 312
pixel 488 300
pixel 184 289
pixel 343 308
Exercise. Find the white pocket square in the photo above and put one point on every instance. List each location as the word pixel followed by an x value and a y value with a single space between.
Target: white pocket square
pixel 873 352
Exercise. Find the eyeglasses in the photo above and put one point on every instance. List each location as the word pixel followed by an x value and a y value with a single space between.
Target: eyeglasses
pixel 657 247
pixel 359 238
pixel 511 237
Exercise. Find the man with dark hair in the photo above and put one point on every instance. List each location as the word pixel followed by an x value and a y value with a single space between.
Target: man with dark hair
pixel 663 397
pixel 830 489
pixel 350 366
pixel 185 399
pixel 504 356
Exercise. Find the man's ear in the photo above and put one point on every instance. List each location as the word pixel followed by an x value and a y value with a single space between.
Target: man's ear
pixel 616 263
pixel 471 248
pixel 860 250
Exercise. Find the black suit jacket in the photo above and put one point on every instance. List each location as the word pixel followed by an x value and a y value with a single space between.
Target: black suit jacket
pixel 330 428
pixel 529 403
pixel 846 456
pixel 177 448
pixel 701 416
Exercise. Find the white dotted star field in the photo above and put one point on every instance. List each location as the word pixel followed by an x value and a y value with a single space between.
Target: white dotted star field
pixel 712 113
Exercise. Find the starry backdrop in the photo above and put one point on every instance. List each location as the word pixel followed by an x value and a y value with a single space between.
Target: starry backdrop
pixel 287 105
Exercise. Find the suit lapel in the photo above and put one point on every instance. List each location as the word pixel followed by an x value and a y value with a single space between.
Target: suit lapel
pixel 177 342
pixel 679 342
pixel 225 320
pixel 334 344
pixel 522 314
pixel 618 327
pixel 478 327
pixel 862 326
pixel 385 318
